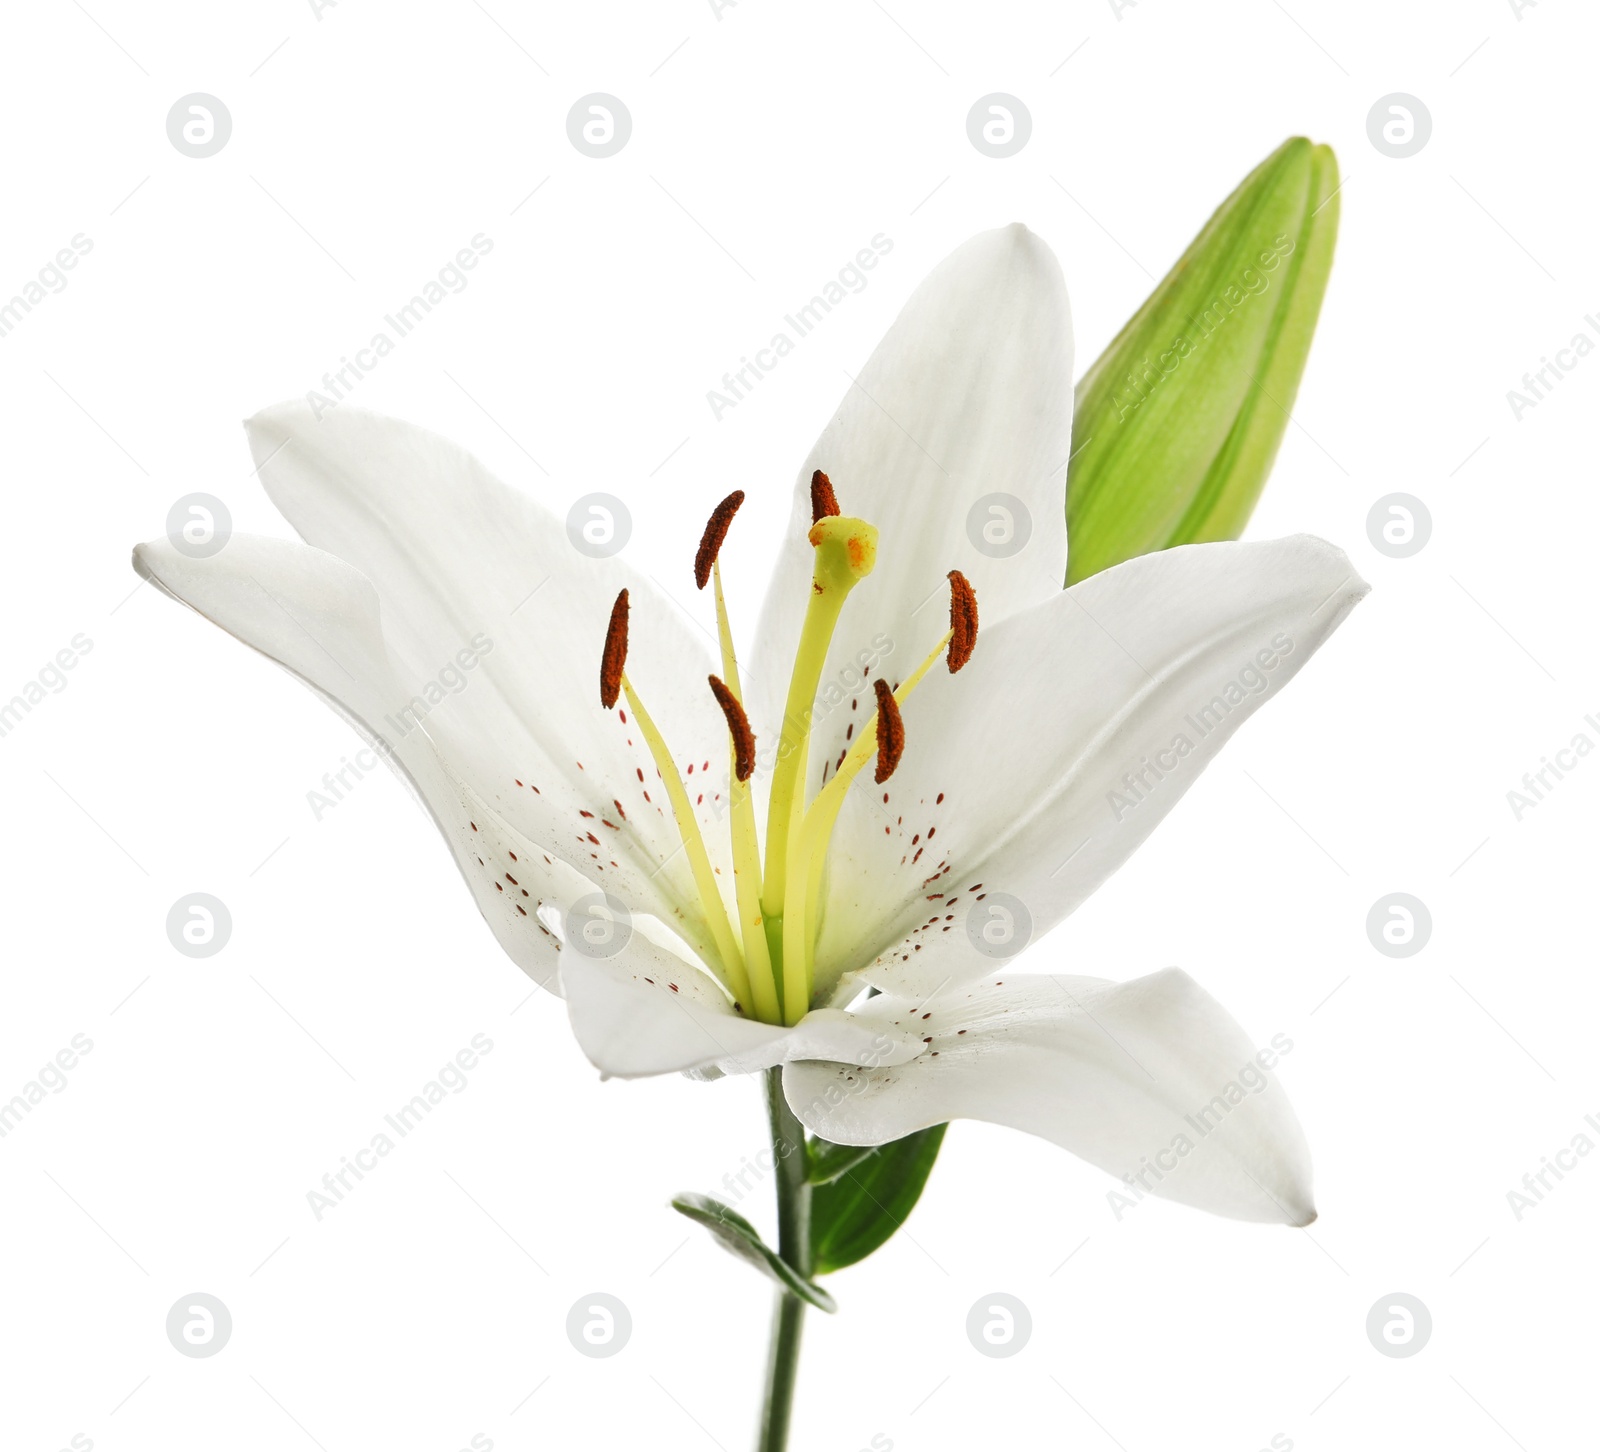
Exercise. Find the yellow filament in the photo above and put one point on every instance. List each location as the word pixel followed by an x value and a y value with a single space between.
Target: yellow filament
pixel 746 850
pixel 732 960
pixel 819 823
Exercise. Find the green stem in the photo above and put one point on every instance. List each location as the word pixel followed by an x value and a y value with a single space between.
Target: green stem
pixel 794 1245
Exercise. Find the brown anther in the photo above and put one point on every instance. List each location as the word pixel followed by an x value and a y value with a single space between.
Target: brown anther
pixel 711 540
pixel 822 501
pixel 744 739
pixel 963 621
pixel 891 732
pixel 615 656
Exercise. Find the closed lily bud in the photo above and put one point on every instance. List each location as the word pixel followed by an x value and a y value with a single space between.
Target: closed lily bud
pixel 1178 422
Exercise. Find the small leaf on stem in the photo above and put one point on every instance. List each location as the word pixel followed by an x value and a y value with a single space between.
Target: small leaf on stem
pixel 739 1236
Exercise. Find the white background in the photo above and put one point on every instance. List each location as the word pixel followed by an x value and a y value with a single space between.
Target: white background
pixel 770 143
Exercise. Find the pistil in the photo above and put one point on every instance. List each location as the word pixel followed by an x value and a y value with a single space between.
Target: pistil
pixel 845 552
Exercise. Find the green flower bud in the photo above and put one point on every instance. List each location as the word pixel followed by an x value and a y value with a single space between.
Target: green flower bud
pixel 1178 422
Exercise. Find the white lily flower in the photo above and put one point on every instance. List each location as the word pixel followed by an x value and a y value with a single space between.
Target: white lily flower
pixel 1083 716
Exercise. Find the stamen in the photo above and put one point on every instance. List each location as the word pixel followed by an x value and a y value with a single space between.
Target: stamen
pixel 963 621
pixel 615 655
pixel 879 732
pixel 891 732
pixel 716 914
pixel 716 532
pixel 744 739
pixel 760 974
pixel 823 502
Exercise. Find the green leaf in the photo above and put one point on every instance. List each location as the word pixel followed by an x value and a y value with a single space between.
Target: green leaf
pixel 1177 425
pixel 859 1208
pixel 740 1237
pixel 829 1160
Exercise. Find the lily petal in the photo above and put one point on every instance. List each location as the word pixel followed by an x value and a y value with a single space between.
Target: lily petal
pixel 461 563
pixel 1075 729
pixel 319 619
pixel 646 1011
pixel 969 394
pixel 1150 1080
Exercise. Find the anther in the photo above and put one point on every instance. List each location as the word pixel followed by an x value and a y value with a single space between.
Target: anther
pixel 716 532
pixel 822 501
pixel 744 739
pixel 891 732
pixel 615 655
pixel 963 621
